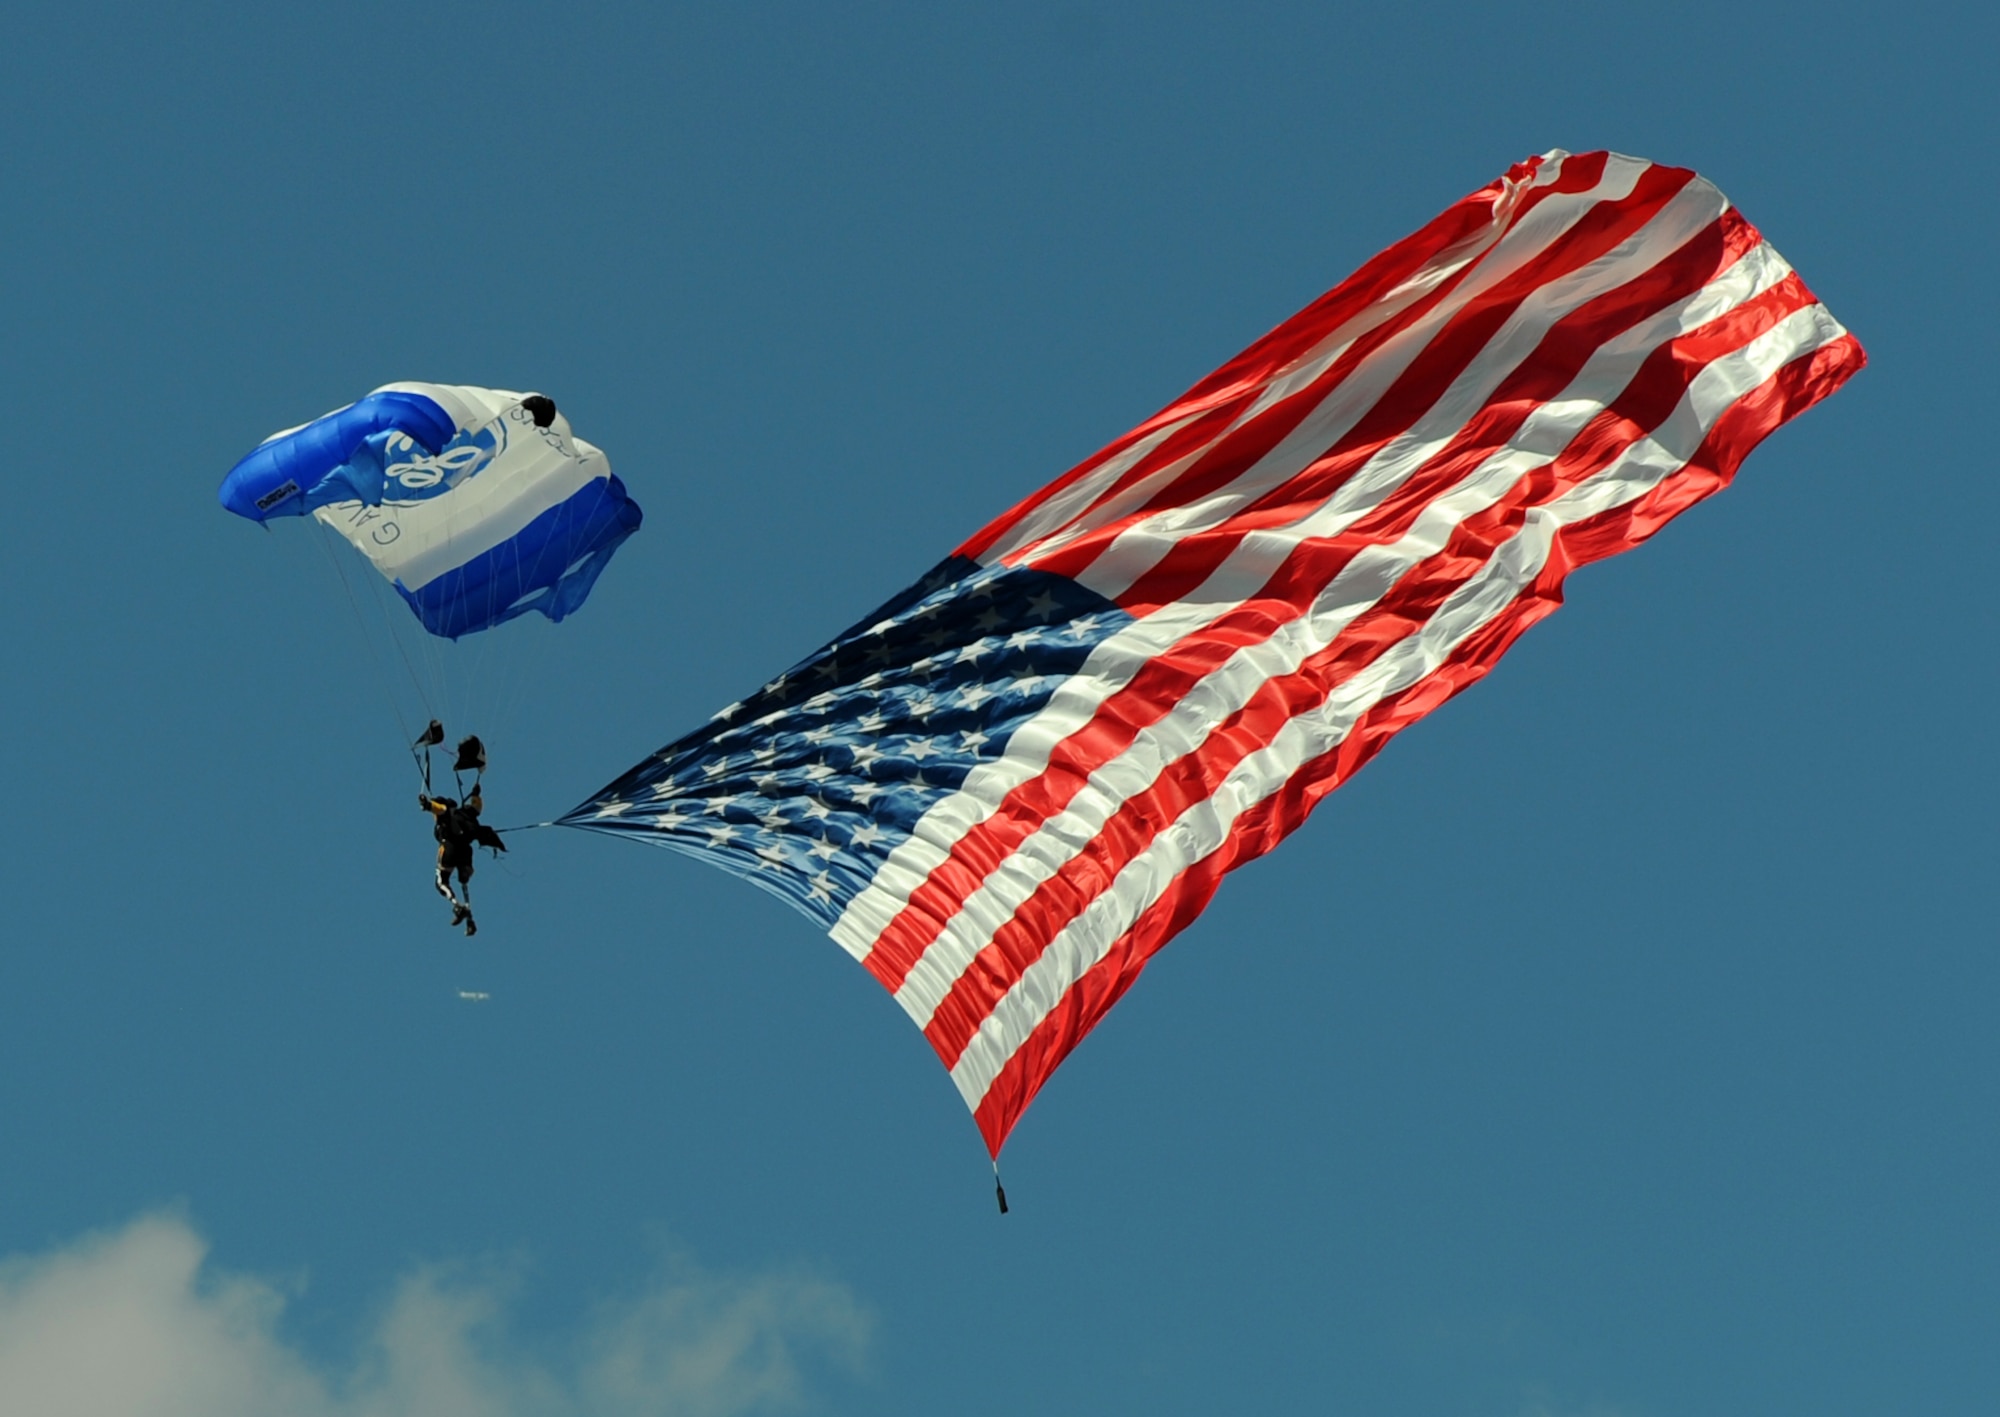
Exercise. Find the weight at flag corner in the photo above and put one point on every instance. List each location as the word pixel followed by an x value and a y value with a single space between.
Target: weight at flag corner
pixel 1005 790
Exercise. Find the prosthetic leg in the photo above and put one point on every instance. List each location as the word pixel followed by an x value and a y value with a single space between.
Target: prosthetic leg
pixel 461 910
pixel 465 888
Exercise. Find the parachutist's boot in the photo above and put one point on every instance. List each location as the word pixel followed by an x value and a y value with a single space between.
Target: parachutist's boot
pixel 471 925
pixel 460 915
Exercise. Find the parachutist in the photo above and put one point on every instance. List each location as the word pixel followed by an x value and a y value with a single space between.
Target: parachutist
pixel 458 829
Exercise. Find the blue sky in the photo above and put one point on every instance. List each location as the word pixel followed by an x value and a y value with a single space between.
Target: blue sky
pixel 1619 1042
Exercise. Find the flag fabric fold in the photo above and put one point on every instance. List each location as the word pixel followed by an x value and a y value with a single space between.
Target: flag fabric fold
pixel 1005 790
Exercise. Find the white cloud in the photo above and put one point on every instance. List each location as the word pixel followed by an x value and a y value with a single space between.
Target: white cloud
pixel 136 1323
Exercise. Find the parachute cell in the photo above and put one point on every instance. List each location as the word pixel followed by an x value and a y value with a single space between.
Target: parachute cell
pixel 477 504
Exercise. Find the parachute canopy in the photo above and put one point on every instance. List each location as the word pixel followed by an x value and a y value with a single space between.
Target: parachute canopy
pixel 478 505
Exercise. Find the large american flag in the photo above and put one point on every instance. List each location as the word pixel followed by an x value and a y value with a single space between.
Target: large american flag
pixel 1007 788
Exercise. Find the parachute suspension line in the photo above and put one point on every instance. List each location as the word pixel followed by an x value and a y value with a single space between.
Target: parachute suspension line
pixel 420 750
pixel 427 664
pixel 400 624
pixel 999 1191
pixel 322 535
pixel 495 681
pixel 475 685
pixel 514 673
pixel 435 648
pixel 430 689
pixel 508 671
pixel 375 594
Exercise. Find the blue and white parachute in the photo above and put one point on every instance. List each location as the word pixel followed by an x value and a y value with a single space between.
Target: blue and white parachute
pixel 478 505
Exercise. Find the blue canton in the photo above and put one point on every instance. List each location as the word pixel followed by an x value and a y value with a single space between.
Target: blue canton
pixel 805 787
